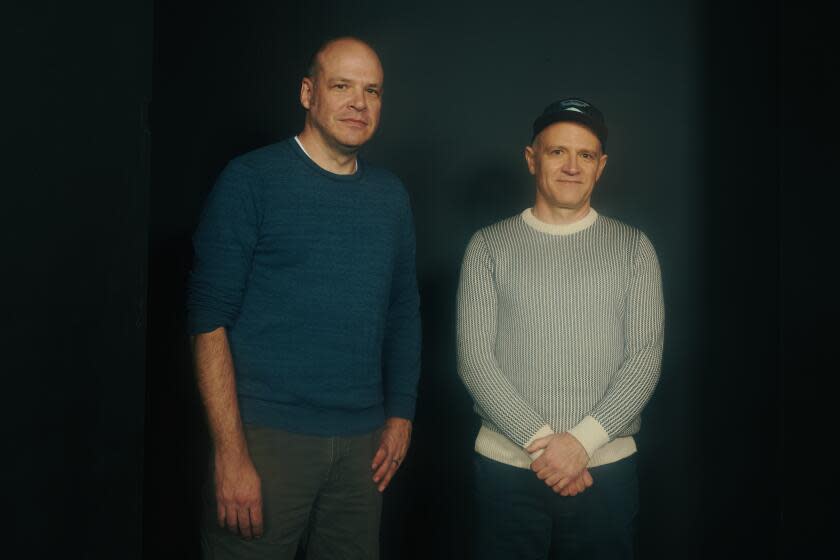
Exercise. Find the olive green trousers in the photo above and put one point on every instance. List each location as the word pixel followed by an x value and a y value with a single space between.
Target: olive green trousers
pixel 318 493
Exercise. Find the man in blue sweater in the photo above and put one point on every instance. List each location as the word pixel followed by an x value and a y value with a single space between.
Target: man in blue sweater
pixel 303 306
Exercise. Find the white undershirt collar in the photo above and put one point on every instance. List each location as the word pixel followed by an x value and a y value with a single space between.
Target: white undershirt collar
pixel 356 168
pixel 559 229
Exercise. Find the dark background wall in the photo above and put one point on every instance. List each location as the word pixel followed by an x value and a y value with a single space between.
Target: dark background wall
pixel 74 223
pixel 809 144
pixel 463 83
pixel 723 145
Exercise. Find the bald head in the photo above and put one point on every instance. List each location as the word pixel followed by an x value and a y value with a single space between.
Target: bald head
pixel 331 48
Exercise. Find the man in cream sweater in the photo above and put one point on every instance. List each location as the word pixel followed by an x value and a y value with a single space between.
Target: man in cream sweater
pixel 560 334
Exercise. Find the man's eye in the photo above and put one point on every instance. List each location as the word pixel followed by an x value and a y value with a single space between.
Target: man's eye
pixel 373 92
pixel 340 86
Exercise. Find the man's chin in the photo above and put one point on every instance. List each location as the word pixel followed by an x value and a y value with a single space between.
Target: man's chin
pixel 352 143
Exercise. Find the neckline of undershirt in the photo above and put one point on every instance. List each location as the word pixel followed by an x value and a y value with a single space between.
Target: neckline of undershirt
pixel 559 229
pixel 355 169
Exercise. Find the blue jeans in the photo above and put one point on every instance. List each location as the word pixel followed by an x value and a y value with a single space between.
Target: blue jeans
pixel 519 517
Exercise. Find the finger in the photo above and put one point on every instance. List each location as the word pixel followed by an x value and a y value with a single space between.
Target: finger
pixel 220 515
pixel 553 479
pixel 401 451
pixel 548 472
pixel 561 484
pixel 388 476
pixel 243 516
pixel 538 444
pixel 380 455
pixel 587 478
pixel 575 486
pixel 257 520
pixel 383 469
pixel 230 519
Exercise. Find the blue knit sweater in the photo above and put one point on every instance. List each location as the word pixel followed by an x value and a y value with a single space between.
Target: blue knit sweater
pixel 313 275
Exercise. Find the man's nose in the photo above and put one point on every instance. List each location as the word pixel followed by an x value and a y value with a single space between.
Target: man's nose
pixel 358 101
pixel 570 165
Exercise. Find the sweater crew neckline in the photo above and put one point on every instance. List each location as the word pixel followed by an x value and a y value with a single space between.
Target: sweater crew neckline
pixel 297 148
pixel 559 229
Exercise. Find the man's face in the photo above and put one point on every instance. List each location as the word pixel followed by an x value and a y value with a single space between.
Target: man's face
pixel 566 161
pixel 344 98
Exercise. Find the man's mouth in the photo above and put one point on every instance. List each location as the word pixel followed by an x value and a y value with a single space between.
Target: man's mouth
pixel 355 123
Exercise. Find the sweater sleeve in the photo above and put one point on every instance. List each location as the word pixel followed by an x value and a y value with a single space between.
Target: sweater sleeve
pixel 635 380
pixel 401 345
pixel 492 390
pixel 223 251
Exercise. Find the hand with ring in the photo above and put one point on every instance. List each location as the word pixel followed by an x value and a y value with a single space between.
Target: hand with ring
pixel 393 445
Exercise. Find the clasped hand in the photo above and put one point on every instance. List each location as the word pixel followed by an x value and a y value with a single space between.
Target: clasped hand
pixel 562 465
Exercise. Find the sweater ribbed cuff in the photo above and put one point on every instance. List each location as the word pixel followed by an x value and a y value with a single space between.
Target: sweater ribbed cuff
pixel 399 405
pixel 542 432
pixel 590 434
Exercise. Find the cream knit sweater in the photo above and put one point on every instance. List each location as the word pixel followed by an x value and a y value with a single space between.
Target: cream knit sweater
pixel 559 330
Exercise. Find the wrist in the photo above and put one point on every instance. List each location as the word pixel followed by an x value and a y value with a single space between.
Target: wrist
pixel 232 454
pixel 590 435
pixel 398 425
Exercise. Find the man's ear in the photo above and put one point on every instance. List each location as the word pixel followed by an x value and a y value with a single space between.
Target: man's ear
pixel 529 159
pixel 307 88
pixel 602 163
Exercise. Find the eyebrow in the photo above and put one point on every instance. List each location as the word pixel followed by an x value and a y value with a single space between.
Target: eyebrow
pixel 342 79
pixel 588 150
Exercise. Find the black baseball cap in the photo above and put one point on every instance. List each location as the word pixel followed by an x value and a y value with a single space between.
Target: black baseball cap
pixel 574 110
